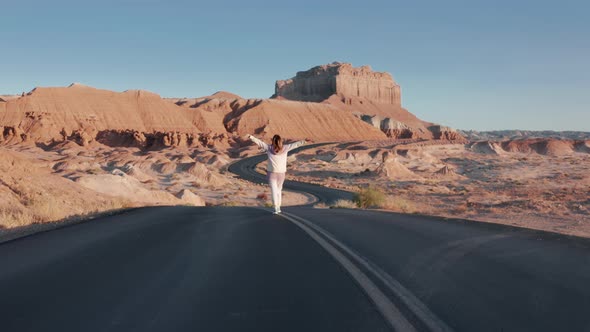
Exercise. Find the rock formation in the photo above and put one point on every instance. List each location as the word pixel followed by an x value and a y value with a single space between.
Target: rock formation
pixel 357 103
pixel 392 128
pixel 5 98
pixel 373 96
pixel 12 135
pixel 448 173
pixel 487 147
pixel 392 169
pixel 190 198
pixel 474 135
pixel 542 146
pixel 44 114
pixel 321 82
pixel 445 133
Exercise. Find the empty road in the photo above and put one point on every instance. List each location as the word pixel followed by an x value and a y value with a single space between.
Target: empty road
pixel 244 269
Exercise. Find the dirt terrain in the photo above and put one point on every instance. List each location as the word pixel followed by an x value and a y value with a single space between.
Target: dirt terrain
pixel 71 152
pixel 534 183
pixel 542 184
pixel 70 181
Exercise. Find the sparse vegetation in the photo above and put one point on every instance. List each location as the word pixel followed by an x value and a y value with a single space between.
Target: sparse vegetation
pixel 229 203
pixel 321 205
pixel 369 197
pixel 42 210
pixel 12 218
pixel 399 204
pixel 344 204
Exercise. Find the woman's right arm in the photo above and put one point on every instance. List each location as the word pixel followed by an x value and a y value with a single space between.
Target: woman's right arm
pixel 259 142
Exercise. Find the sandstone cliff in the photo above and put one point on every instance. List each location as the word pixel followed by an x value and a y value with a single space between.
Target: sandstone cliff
pixel 265 117
pixel 372 96
pixel 88 116
pixel 321 82
pixel 356 103
pixel 46 114
pixel 300 120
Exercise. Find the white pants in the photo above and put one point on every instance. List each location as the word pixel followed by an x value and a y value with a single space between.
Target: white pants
pixel 275 181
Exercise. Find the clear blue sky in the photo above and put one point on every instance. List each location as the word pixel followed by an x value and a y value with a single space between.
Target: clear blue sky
pixel 468 64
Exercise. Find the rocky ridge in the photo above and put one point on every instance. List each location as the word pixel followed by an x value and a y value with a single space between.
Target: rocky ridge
pixel 137 118
pixel 321 82
pixel 374 97
pixel 513 134
pixel 541 146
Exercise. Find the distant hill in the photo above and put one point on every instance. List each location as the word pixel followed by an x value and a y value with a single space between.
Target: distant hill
pixel 512 134
pixel 372 96
pixel 325 103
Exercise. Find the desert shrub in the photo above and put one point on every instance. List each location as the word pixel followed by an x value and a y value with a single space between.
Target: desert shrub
pixel 343 204
pixel 268 204
pixel 262 196
pixel 43 208
pixel 10 218
pixel 399 204
pixel 320 205
pixel 229 203
pixel 369 197
pixel 460 208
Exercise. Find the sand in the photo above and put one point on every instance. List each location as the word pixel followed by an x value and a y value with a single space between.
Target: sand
pixel 545 187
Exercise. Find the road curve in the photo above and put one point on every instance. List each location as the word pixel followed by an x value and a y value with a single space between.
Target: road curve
pixel 246 169
pixel 460 274
pixel 244 269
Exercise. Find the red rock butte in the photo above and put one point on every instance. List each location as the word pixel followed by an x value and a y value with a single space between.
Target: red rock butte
pixel 326 103
pixel 374 97
pixel 320 83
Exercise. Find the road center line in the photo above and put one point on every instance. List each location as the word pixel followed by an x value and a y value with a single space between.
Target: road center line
pixel 412 302
pixel 389 311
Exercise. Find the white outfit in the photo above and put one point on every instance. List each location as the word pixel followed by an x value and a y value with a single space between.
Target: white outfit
pixel 276 168
pixel 275 181
pixel 277 162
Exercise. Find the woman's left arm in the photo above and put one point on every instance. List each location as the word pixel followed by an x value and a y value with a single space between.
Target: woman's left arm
pixel 295 145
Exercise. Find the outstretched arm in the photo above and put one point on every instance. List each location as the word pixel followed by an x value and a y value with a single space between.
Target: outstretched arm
pixel 259 142
pixel 295 145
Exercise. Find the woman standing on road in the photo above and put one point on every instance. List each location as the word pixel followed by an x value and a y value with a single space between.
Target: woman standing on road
pixel 277 165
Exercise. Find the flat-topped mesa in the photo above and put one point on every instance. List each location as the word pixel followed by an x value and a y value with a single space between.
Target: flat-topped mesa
pixel 321 82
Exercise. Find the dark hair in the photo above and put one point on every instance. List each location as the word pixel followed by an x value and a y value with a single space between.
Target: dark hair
pixel 277 143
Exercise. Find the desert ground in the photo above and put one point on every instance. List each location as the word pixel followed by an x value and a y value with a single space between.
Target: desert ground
pixel 68 153
pixel 69 181
pixel 540 188
pixel 518 184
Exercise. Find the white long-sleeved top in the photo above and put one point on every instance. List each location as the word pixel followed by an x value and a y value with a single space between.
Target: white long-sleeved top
pixel 277 162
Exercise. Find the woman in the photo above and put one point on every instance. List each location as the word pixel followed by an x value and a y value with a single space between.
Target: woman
pixel 277 165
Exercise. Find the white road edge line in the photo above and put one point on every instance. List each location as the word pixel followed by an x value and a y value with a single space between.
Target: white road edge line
pixel 389 311
pixel 410 300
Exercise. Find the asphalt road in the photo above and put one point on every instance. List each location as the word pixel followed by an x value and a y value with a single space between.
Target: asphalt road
pixel 244 269
pixel 179 269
